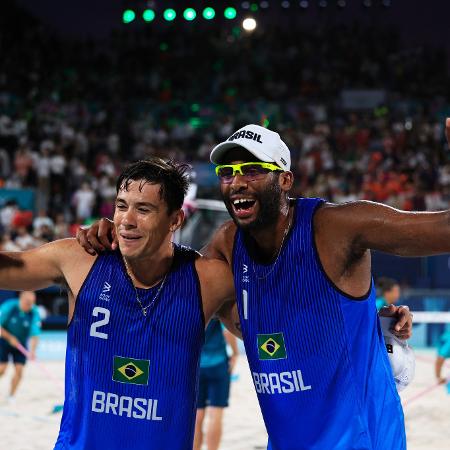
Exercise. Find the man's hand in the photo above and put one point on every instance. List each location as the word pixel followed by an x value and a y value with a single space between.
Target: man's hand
pixel 98 237
pixel 403 327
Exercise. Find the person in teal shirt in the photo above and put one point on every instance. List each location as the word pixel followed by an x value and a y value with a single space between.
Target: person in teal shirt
pixel 388 292
pixel 19 323
pixel 214 384
pixel 443 354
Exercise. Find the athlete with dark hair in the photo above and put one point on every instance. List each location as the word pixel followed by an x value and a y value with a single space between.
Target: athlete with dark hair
pixel 136 318
pixel 305 301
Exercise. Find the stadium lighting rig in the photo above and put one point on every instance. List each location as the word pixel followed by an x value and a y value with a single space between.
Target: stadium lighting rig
pixel 189 14
pixel 208 10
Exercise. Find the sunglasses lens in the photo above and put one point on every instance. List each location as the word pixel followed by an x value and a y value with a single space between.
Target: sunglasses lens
pixel 254 171
pixel 225 173
pixel 250 172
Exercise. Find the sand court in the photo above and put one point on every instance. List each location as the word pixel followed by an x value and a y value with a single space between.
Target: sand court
pixel 31 424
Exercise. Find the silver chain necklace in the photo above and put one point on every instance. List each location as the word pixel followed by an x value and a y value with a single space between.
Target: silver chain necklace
pixel 286 231
pixel 150 305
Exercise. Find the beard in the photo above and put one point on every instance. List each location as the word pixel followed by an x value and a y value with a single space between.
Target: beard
pixel 269 201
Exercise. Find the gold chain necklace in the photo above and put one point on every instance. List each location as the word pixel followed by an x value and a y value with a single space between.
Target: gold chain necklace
pixel 144 309
pixel 286 231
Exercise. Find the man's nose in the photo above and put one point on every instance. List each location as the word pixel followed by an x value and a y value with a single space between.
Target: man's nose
pixel 129 218
pixel 238 182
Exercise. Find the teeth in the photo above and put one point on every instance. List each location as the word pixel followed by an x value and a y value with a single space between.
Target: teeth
pixel 241 200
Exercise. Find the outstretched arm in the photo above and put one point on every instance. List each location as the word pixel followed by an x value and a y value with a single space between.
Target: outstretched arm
pixel 49 264
pixel 33 269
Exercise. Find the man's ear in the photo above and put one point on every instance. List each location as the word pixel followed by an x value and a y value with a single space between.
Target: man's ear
pixel 177 220
pixel 286 181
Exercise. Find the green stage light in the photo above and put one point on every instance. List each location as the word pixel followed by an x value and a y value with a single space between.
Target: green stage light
pixel 128 16
pixel 170 14
pixel 148 15
pixel 230 13
pixel 254 7
pixel 209 13
pixel 189 14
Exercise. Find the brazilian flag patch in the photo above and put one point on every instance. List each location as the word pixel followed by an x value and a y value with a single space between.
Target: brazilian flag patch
pixel 271 346
pixel 131 371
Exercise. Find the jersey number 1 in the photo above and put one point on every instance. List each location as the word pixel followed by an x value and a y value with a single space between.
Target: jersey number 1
pixel 99 323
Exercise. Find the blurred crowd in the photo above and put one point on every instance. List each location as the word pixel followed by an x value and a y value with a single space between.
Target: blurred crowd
pixel 73 113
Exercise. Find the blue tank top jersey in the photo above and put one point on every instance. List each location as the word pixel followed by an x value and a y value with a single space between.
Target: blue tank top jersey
pixel 316 355
pixel 131 380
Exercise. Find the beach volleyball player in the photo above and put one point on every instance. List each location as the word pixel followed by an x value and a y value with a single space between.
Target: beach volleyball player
pixel 136 321
pixel 305 301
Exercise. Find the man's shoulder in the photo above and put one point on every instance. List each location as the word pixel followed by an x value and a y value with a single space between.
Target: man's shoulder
pixel 224 236
pixel 68 248
pixel 327 212
pixel 9 304
pixel 227 230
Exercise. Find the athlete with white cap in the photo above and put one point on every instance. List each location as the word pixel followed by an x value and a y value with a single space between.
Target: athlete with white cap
pixel 305 299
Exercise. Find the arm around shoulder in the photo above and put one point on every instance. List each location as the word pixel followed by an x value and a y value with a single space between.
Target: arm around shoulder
pixel 216 282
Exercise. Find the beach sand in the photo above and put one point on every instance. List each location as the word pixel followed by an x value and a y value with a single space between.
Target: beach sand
pixel 29 424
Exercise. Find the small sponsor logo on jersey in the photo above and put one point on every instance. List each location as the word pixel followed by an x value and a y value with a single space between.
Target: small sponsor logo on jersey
pixel 105 292
pixel 245 277
pixel 389 348
pixel 271 346
pixel 131 371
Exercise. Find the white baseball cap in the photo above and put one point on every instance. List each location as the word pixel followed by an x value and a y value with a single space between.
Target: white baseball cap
pixel 265 144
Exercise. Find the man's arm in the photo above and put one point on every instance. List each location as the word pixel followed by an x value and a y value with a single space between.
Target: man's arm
pixel 34 269
pixel 34 340
pixel 53 263
pixel 216 284
pixel 5 334
pixel 344 235
pixel 367 225
pixel 232 342
pixel 229 316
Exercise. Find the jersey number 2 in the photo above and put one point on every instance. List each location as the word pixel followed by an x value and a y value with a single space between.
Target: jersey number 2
pixel 94 333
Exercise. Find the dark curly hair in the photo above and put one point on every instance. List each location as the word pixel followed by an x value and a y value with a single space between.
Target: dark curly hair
pixel 171 176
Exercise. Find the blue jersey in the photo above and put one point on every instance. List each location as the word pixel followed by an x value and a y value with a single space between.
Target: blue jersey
pixel 316 355
pixel 131 380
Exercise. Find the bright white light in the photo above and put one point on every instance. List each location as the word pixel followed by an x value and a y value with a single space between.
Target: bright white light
pixel 249 24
